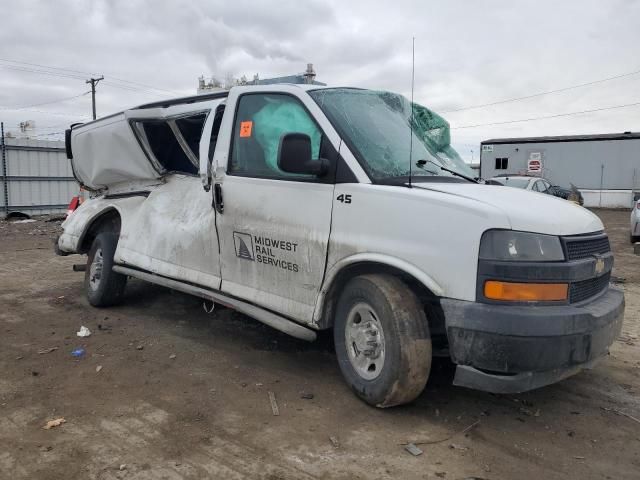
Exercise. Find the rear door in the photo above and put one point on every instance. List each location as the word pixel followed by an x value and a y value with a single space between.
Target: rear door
pixel 174 232
pixel 274 226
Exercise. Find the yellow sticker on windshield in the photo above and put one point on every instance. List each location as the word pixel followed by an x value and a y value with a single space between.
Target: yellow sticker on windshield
pixel 245 129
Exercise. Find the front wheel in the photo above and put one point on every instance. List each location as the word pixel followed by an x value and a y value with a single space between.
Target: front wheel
pixel 104 287
pixel 382 340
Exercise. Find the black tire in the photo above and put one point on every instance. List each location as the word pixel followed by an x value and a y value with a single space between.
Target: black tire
pixel 104 287
pixel 634 239
pixel 405 336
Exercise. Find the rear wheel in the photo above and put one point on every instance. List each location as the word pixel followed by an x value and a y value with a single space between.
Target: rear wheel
pixel 634 238
pixel 382 340
pixel 104 287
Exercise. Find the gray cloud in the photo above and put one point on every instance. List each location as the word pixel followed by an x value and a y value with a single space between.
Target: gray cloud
pixel 467 53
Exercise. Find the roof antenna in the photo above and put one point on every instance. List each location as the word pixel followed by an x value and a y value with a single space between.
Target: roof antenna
pixel 413 69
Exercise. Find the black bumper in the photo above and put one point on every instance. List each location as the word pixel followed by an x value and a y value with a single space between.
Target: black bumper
pixel 510 349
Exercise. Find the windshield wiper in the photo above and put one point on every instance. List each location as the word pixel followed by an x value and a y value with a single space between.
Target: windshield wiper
pixel 422 163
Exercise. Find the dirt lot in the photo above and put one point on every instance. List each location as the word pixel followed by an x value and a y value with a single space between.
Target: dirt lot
pixel 182 394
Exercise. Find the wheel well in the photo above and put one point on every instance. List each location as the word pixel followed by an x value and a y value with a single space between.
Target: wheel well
pixel 429 300
pixel 108 221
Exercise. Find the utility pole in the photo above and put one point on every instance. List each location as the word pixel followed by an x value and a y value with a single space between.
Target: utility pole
pixel 94 82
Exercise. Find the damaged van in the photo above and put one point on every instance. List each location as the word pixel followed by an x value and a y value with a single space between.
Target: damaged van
pixel 312 208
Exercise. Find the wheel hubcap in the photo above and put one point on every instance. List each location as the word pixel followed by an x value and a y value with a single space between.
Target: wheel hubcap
pixel 95 270
pixel 364 340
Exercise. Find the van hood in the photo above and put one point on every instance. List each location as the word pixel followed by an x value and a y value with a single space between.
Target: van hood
pixel 526 210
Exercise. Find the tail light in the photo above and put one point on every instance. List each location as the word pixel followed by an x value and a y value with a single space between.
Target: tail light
pixel 73 205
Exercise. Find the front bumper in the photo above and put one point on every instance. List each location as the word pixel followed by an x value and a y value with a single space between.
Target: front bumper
pixel 511 349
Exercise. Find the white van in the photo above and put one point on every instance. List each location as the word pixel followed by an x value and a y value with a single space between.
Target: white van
pixel 311 208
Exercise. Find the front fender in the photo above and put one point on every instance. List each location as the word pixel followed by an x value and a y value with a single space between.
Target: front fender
pixel 371 258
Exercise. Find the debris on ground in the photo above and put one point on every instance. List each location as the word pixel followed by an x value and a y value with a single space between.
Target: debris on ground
pixel 48 350
pixel 83 332
pixel 274 404
pixel 139 347
pixel 104 328
pixel 123 467
pixel 413 450
pixel 307 395
pixel 454 446
pixel 620 413
pixel 334 441
pixel 431 442
pixel 54 423
pixel 172 356
pixel 98 368
pixel 78 352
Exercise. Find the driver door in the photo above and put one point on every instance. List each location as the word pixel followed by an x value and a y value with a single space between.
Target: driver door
pixel 274 226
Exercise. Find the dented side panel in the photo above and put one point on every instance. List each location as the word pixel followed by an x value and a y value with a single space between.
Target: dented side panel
pixel 173 234
pixel 77 224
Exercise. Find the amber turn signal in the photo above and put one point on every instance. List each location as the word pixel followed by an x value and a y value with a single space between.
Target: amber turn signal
pixel 525 292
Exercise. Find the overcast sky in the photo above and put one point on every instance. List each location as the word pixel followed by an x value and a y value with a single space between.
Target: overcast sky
pixel 467 53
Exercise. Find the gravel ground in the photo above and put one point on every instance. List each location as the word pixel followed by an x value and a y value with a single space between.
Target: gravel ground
pixel 166 390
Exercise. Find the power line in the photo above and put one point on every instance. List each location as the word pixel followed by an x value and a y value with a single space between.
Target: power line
pixel 539 94
pixel 44 103
pixel 548 116
pixel 81 74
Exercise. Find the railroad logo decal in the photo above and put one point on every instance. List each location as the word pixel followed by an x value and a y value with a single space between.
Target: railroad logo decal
pixel 244 246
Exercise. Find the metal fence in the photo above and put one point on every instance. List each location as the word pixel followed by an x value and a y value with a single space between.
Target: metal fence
pixel 36 177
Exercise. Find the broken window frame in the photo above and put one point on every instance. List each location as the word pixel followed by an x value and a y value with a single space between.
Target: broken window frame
pixel 137 126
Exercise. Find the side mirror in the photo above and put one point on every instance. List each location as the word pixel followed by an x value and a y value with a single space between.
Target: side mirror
pixel 294 156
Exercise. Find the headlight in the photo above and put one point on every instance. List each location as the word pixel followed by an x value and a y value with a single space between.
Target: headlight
pixel 520 246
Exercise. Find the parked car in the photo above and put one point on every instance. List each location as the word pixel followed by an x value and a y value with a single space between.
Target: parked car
pixel 538 184
pixel 303 207
pixel 635 222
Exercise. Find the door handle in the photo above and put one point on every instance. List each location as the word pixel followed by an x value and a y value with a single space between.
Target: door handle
pixel 218 202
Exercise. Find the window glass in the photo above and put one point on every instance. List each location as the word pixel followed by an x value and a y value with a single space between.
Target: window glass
pixel 261 121
pixel 502 163
pixel 544 185
pixel 536 186
pixel 160 143
pixel 173 143
pixel 191 130
pixel 518 182
pixel 390 135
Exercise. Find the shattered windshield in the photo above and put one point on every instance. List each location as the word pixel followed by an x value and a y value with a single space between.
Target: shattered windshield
pixel 376 125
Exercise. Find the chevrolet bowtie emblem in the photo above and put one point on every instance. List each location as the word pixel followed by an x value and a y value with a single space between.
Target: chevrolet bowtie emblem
pixel 599 266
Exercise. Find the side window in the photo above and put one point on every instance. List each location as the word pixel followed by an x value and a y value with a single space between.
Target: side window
pixel 191 130
pixel 172 143
pixel 502 163
pixel 536 186
pixel 544 186
pixel 261 120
